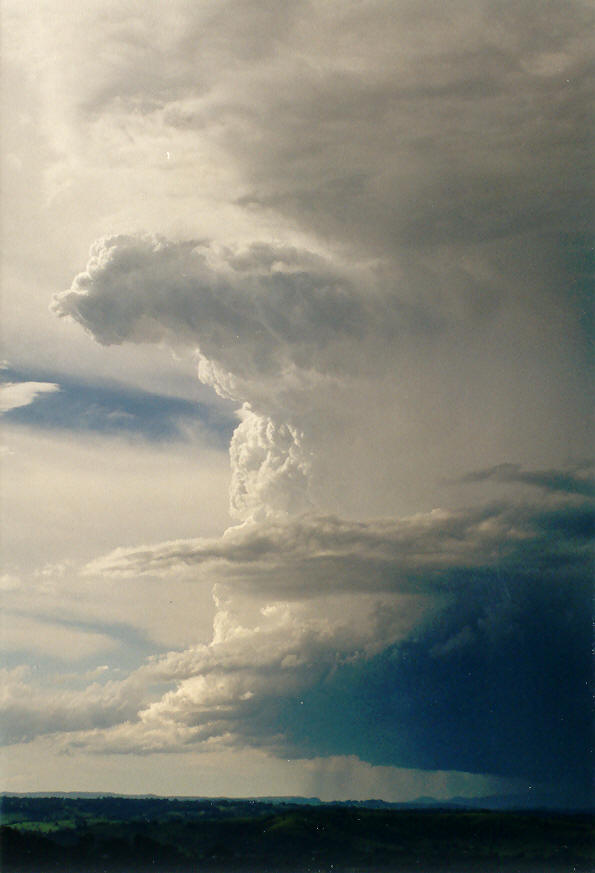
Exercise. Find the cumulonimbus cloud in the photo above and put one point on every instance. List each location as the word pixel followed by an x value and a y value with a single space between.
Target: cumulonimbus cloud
pixel 418 175
pixel 283 580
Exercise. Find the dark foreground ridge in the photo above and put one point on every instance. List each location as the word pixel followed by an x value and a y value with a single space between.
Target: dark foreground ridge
pixel 112 834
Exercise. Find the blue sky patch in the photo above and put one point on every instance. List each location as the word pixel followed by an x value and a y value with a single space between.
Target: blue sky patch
pixel 117 409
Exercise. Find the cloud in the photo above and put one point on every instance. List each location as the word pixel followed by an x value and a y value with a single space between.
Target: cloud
pixel 381 216
pixel 325 354
pixel 422 129
pixel 425 130
pixel 430 642
pixel 44 636
pixel 230 692
pixel 453 148
pixel 29 710
pixel 9 582
pixel 270 467
pixel 348 776
pixel 495 683
pixel 105 409
pixel 17 394
pixel 578 480
pixel 324 554
pixel 257 314
pixel 273 328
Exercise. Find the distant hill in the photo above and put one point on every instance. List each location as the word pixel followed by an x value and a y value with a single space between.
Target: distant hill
pixel 500 802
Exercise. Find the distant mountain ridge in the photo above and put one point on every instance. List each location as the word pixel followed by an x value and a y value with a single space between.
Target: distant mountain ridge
pixel 495 802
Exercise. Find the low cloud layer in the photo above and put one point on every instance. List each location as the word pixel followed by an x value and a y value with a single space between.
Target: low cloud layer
pixel 314 554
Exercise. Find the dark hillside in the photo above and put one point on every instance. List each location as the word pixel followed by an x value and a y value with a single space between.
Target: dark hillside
pixel 120 835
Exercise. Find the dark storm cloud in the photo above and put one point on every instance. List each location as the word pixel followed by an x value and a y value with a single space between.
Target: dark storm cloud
pixel 428 129
pixel 499 684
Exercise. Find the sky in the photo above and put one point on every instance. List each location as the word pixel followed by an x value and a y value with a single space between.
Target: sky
pixel 297 482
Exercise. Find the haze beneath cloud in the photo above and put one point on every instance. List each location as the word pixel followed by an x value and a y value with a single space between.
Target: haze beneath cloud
pixel 366 227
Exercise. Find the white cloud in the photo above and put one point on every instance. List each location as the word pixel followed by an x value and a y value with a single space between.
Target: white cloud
pixel 15 394
pixel 39 637
pixel 9 582
pixel 426 227
pixel 254 315
pixel 227 692
pixel 344 374
pixel 29 709
pixel 270 467
pixel 272 327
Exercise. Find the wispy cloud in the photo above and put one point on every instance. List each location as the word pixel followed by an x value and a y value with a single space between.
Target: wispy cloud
pixel 30 710
pixel 14 395
pixel 114 409
pixel 577 480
